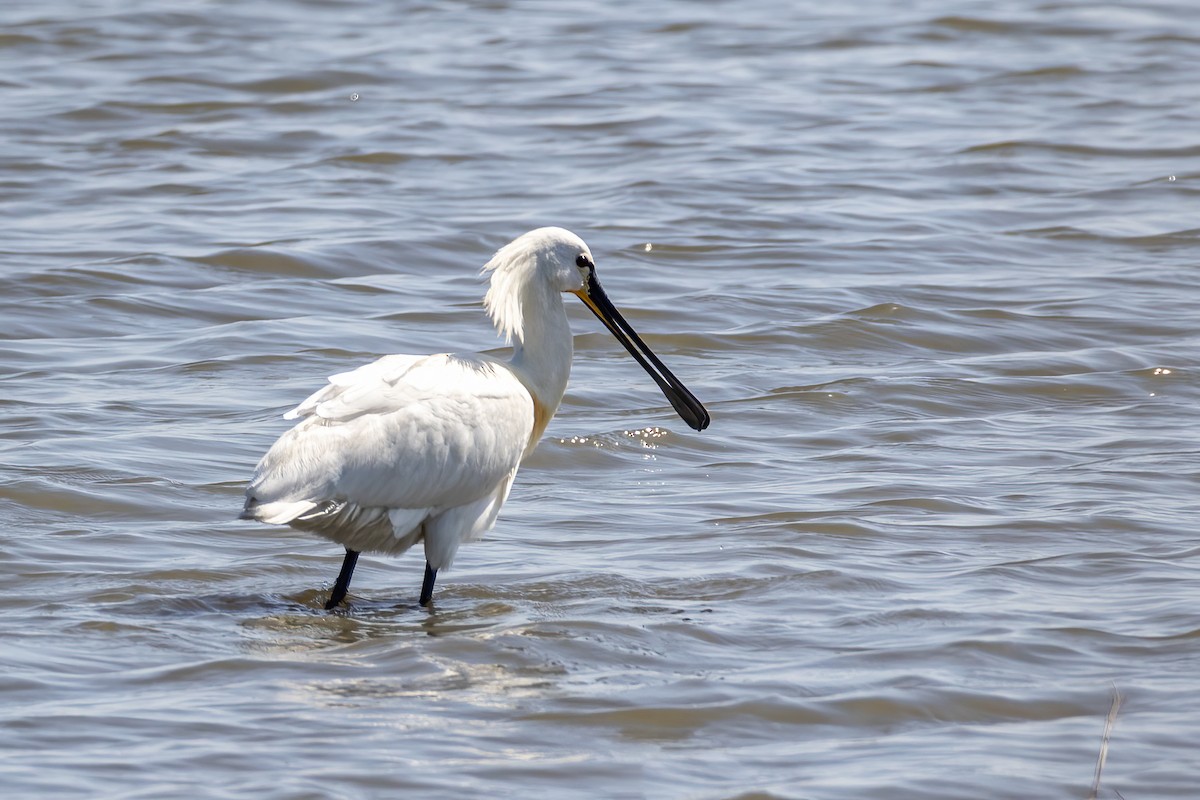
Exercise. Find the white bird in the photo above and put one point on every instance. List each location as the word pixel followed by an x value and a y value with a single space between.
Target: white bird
pixel 417 448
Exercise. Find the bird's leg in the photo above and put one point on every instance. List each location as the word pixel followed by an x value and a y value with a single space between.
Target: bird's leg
pixel 427 585
pixel 342 584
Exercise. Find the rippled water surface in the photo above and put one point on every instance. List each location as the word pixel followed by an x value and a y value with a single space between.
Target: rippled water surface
pixel 932 266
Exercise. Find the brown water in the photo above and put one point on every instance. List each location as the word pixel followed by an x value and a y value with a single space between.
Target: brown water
pixel 933 267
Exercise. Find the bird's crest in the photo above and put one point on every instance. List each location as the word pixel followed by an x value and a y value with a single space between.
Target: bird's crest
pixel 514 270
pixel 503 299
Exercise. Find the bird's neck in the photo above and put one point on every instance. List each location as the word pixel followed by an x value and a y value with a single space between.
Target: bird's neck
pixel 542 356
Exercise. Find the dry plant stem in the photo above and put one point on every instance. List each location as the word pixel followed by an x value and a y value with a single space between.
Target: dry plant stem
pixel 1109 721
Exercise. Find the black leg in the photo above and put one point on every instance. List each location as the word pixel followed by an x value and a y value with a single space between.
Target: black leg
pixel 427 586
pixel 342 584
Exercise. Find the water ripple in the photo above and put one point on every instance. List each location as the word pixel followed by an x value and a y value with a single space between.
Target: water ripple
pixel 932 271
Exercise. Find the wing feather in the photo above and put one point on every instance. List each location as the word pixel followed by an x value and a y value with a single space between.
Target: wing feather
pixel 349 387
pixel 404 432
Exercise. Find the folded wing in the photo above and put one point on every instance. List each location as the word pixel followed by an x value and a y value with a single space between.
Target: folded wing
pixel 395 443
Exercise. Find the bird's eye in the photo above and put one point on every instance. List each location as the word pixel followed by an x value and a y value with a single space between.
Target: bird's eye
pixel 582 261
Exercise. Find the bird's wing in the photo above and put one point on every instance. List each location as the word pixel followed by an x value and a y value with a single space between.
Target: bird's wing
pixel 346 389
pixel 403 432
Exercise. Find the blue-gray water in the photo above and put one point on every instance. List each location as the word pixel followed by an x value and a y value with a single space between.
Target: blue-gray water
pixel 932 266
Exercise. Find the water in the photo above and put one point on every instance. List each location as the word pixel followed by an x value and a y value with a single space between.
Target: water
pixel 932 266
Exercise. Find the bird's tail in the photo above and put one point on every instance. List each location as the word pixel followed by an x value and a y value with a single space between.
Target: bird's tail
pixel 278 513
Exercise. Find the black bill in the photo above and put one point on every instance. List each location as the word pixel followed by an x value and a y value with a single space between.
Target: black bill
pixel 685 403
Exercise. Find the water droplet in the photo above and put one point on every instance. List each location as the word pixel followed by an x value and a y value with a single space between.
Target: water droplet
pixel 354 99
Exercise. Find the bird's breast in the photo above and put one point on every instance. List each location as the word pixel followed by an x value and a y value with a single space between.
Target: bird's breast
pixel 542 414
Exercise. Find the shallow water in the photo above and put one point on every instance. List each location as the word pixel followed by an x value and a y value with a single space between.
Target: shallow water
pixel 932 266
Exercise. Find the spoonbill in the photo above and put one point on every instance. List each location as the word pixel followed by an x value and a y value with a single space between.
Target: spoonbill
pixel 414 448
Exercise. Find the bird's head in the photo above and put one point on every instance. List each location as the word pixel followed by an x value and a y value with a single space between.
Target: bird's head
pixel 558 260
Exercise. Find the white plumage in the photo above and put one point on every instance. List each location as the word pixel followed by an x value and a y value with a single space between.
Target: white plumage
pixel 425 448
